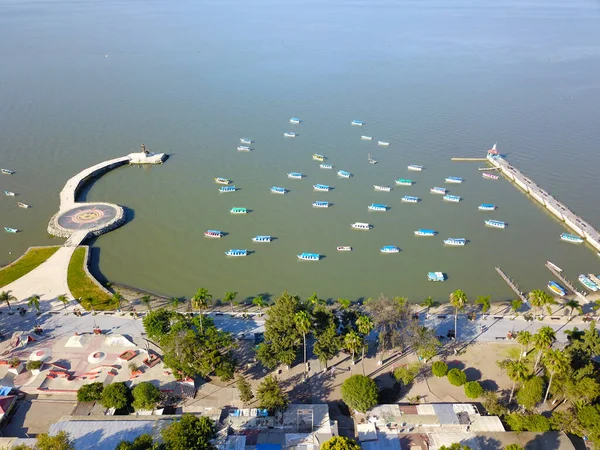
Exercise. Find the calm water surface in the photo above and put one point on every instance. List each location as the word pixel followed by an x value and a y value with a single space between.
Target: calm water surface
pixel 87 81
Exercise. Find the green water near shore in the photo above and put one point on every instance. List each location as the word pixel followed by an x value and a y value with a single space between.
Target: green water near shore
pixel 187 82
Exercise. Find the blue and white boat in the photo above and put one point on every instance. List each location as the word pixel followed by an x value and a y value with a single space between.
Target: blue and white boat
pixel 438 190
pixel 295 175
pixel 410 199
pixel 326 166
pixel 278 190
pixel 227 189
pixel 583 279
pixel 11 230
pixel 289 134
pixel 344 174
pixel 571 238
pixel 261 238
pixel 309 256
pixel 556 288
pixel 318 157
pixel 236 252
pixel 357 123
pixel 424 232
pixel 237 210
pixel 389 249
pixel 378 187
pixel 320 204
pixel 486 207
pixel 495 223
pixel 415 168
pixel 457 242
pixel 436 276
pixel 321 187
pixel 213 234
pixel 377 207
pixel 403 182
pixel 7 171
pixel 294 120
pixel 243 148
pixel 452 198
pixel 9 193
pixel 454 180
pixel 246 140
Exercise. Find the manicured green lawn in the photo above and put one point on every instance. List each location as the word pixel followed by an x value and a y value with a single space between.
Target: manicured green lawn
pixel 81 286
pixel 26 264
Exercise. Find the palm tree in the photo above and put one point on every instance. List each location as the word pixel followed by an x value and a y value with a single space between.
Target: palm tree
pixel 230 298
pixel 353 342
pixel 539 299
pixel 34 302
pixel 174 302
pixel 484 301
pixel 429 303
pixel 573 305
pixel 146 300
pixel 542 341
pixel 458 299
pixel 556 362
pixel 200 301
pixel 64 300
pixel 314 300
pixel 7 297
pixel 517 371
pixel 365 326
pixel 303 325
pixel 116 300
pixel 344 303
pixel 515 305
pixel 524 338
pixel 259 301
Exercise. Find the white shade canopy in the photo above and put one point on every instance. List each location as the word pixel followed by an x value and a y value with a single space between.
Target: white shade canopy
pixel 41 354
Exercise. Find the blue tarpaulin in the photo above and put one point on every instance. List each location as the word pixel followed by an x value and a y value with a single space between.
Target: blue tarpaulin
pixel 4 390
pixel 268 447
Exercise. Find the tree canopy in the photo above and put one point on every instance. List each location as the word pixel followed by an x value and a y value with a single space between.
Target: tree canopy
pixel 142 442
pixel 190 433
pixel 360 392
pixel 145 396
pixel 340 443
pixel 90 392
pixel 270 395
pixel 531 393
pixel 44 441
pixel 116 395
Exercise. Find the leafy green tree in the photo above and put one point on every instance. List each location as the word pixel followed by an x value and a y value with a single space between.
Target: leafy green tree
pixel 589 418
pixel 582 390
pixel 157 323
pixel 360 393
pixel 353 343
pixel 473 389
pixel 282 338
pixel 344 303
pixel 531 393
pixel 340 443
pixel 566 421
pixel 327 344
pixel 145 396
pixel 116 395
pixel 492 404
pixel 439 369
pixel 514 447
pixel 556 363
pixel 302 320
pixel 429 303
pixel 517 371
pixel 424 341
pixel 116 300
pixel 516 305
pixel 190 433
pixel 90 392
pixel 61 441
pixel 484 301
pixel 7 297
pixel 455 446
pixel 458 299
pixel 407 374
pixel 528 422
pixel 142 442
pixel 270 395
pixel 457 377
pixel 230 298
pixel 174 302
pixel 34 302
pixel 260 302
pixel 245 389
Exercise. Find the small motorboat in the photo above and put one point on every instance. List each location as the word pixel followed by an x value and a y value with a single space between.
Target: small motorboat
pixel 23 205
pixel 11 230
pixel 9 193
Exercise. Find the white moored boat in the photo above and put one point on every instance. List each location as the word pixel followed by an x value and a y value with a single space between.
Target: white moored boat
pixel 326 166
pixel 321 187
pixel 344 174
pixel 403 182
pixel 236 252
pixel 243 148
pixel 455 242
pixel 495 223
pixel 366 138
pixel 383 143
pixel 378 187
pixel 261 239
pixel 436 276
pixel 487 207
pixel 221 180
pixel 290 134
pixel 23 205
pixel 295 120
pixel 357 123
pixel 490 176
pixel 425 232
pixel 553 266
pixel 451 198
pixel 295 175
pixel 438 190
pixel 377 207
pixel 571 238
pixel 389 249
pixel 278 190
pixel 344 248
pixel 454 180
pixel 246 141
pixel 213 234
pixel 415 168
pixel 319 204
pixel 361 226
pixel 309 256
pixel 410 199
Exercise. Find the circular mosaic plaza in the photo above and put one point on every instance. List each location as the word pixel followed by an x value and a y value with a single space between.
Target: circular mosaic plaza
pixel 88 217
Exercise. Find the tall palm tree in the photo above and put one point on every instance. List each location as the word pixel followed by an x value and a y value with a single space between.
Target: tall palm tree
pixel 7 297
pixel 515 305
pixel 556 362
pixel 458 299
pixel 518 372
pixel 365 326
pixel 573 305
pixel 230 298
pixel 64 300
pixel 34 302
pixel 259 301
pixel 174 302
pixel 429 303
pixel 539 299
pixel 303 325
pixel 353 342
pixel 484 301
pixel 200 300
pixel 147 300
pixel 524 338
pixel 542 341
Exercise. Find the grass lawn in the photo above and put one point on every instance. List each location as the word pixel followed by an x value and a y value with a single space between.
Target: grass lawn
pixel 26 264
pixel 81 286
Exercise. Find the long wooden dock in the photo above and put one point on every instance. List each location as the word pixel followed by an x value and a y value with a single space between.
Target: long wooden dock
pixel 456 158
pixel 512 284
pixel 567 283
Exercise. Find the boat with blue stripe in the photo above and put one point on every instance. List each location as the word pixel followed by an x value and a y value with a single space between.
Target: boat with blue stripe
pixel 403 182
pixel 357 123
pixel 326 166
pixel 410 199
pixel 344 174
pixel 11 230
pixel 425 232
pixel 451 198
pixel 320 204
pixel 227 189
pixel 243 148
pixel 454 180
pixel 389 249
pixel 261 238
pixel 309 256
pixel 457 242
pixel 236 252
pixel 7 171
pixel 556 288
pixel 487 207
pixel 294 120
pixel 278 190
pixel 588 283
pixel 495 223
pixel 321 187
pixel 295 175
pixel 436 276
pixel 246 140
pixel 571 238
pixel 236 210
pixel 377 207
pixel 438 190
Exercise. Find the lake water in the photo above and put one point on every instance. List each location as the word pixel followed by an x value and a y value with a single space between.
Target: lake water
pixel 82 82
